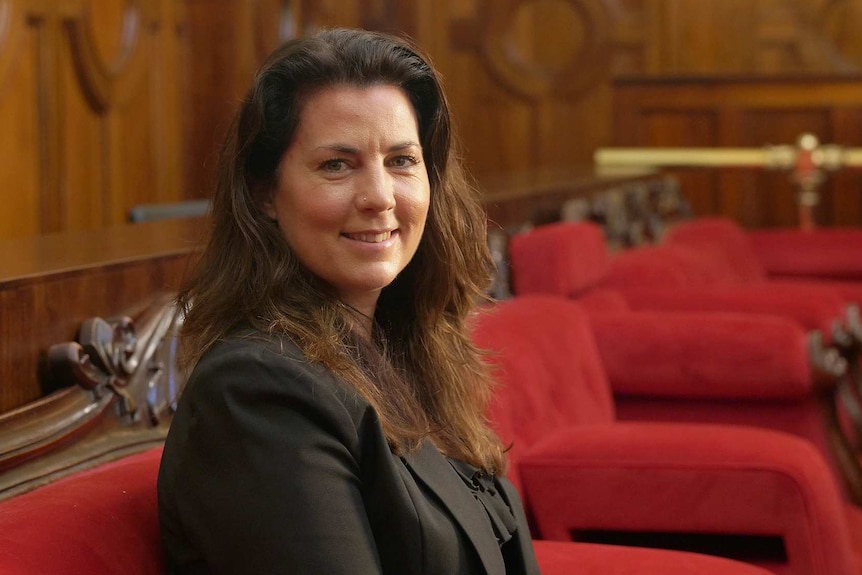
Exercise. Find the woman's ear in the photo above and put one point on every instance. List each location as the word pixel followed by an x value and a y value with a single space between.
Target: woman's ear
pixel 269 206
pixel 266 196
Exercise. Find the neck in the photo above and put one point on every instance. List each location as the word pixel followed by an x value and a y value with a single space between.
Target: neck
pixel 364 322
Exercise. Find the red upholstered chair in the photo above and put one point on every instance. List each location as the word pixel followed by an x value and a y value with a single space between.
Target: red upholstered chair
pixel 739 368
pixel 105 521
pixel 831 254
pixel 822 254
pixel 571 259
pixel 585 476
pixel 101 521
pixel 564 558
pixel 670 277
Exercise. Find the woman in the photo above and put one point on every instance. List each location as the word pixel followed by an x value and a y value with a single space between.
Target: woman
pixel 333 422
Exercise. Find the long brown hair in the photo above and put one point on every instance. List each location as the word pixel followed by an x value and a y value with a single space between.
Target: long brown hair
pixel 422 374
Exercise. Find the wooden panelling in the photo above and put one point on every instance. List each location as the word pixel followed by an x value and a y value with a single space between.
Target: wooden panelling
pixel 694 128
pixel 748 113
pixel 19 140
pixel 525 81
pixel 90 101
pixel 109 103
pixel 541 197
pixel 50 284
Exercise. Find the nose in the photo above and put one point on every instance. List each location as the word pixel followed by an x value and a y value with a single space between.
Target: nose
pixel 376 192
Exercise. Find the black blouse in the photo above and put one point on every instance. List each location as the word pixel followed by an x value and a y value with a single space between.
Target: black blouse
pixel 487 495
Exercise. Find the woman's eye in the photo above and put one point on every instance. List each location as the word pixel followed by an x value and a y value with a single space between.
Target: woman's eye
pixel 333 165
pixel 404 161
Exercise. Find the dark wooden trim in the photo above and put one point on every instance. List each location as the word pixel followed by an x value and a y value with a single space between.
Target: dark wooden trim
pixel 49 285
pixel 125 408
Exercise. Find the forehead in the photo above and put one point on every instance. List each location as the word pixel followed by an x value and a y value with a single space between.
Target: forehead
pixel 331 108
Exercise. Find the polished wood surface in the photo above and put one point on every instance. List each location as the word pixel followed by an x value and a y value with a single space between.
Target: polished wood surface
pixel 537 197
pixel 531 83
pixel 119 386
pixel 107 104
pixel 50 284
pixel 91 101
pixel 747 112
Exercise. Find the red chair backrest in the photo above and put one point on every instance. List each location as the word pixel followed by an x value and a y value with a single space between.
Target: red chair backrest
pixel 722 236
pixel 548 369
pixel 571 259
pixel 664 266
pixel 104 520
pixel 562 258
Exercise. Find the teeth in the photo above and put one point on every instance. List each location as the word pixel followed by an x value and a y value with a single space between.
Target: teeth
pixel 371 238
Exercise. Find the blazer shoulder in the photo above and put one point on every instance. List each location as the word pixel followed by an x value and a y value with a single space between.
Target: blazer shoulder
pixel 255 363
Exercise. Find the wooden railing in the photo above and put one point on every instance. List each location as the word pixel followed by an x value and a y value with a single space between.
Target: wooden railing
pixel 87 337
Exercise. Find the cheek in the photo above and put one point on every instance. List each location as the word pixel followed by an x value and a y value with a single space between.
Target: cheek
pixel 419 204
pixel 418 207
pixel 312 210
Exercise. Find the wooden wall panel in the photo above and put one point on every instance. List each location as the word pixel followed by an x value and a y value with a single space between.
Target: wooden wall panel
pixel 19 147
pixel 693 128
pixel 105 113
pixel 846 186
pixel 749 113
pixel 91 89
pixel 83 160
pixel 527 81
pixel 772 194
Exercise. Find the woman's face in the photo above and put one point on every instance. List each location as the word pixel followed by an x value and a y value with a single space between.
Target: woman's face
pixel 352 191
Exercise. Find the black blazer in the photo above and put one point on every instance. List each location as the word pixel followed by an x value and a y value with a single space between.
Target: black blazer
pixel 273 465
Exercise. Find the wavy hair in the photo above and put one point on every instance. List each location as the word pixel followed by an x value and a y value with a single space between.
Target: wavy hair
pixel 421 372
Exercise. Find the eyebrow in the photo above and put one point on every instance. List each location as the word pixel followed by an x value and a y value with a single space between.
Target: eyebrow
pixel 345 149
pixel 404 145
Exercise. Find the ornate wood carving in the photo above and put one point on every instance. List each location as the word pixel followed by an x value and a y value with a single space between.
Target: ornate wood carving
pixel 799 36
pixel 107 83
pixel 841 403
pixel 101 360
pixel 50 285
pixel 119 388
pixel 586 30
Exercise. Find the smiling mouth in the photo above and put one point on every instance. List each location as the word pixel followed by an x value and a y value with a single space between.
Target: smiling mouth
pixel 371 238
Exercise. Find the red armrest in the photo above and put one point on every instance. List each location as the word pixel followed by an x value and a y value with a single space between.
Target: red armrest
pixel 813 310
pixel 705 479
pixel 828 253
pixel 556 558
pixel 694 355
pixel 848 291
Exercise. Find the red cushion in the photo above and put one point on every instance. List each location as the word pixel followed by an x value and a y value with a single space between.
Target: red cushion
pixel 690 479
pixel 849 291
pixel 812 309
pixel 563 258
pixel 561 558
pixel 722 235
pixel 834 253
pixel 697 355
pixel 667 266
pixel 540 388
pixel 104 520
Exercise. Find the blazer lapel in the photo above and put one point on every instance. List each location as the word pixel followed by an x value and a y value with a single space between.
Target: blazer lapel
pixel 430 467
